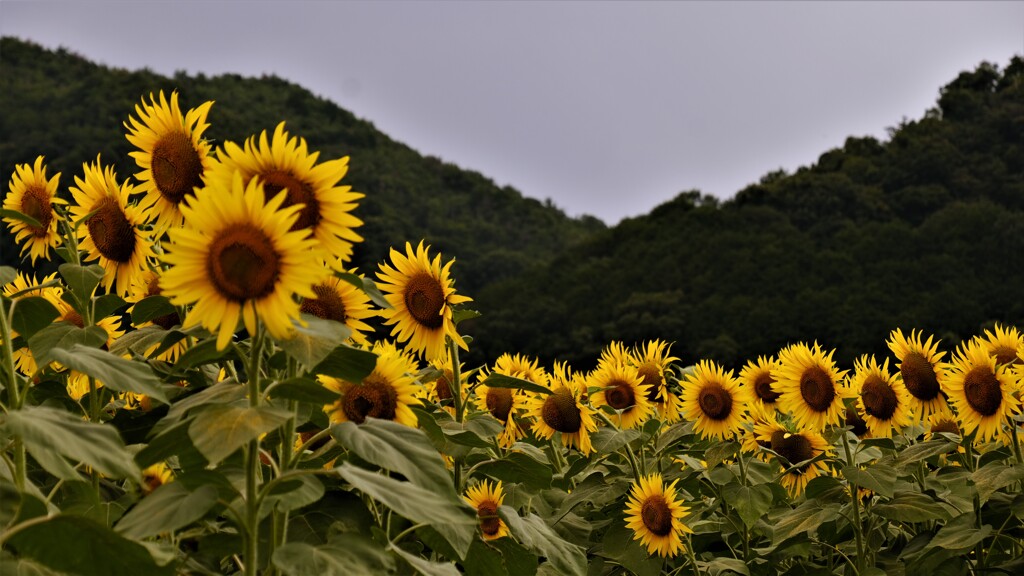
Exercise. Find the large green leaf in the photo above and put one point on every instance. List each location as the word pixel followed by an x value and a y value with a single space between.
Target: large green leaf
pixel 81 546
pixel 32 314
pixel 911 507
pixel 224 392
pixel 168 508
pixel 220 430
pixel 114 372
pixel 366 285
pixel 960 534
pixel 107 305
pixel 204 352
pixel 303 390
pixel 62 336
pixel 917 452
pixel 607 440
pixel 424 566
pixel 297 489
pixel 804 519
pixel 347 555
pixel 152 307
pixel 495 380
pixel 49 433
pixel 400 448
pixel 82 280
pixel 138 341
pixel 534 534
pixel 347 363
pixel 878 478
pixel 994 476
pixel 519 467
pixel 750 502
pixel 310 344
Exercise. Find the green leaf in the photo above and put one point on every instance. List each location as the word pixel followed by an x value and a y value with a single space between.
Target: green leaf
pixel 346 555
pixel 48 432
pixel 518 467
pixel 535 535
pixel 151 307
pixel 399 448
pixel 994 476
pixel 303 390
pixel 750 502
pixel 347 363
pixel 303 490
pixel 878 478
pixel 168 508
pixel 138 341
pixel 476 433
pixel 7 275
pixel 114 372
pixel 170 442
pixel 63 336
pixel 456 521
pixel 32 314
pixel 82 280
pixel 495 380
pixel 106 305
pixel 722 565
pixel 464 314
pixel 366 285
pixel 220 430
pixel 804 519
pixel 927 449
pixel 607 439
pixel 204 352
pixel 911 507
pixel 224 392
pixel 81 546
pixel 426 567
pixel 8 213
pixel 310 344
pixel 960 534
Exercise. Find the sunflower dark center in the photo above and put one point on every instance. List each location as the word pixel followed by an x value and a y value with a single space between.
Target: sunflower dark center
pixel 443 385
pixel 1006 355
pixel 375 398
pixel 299 192
pixel 424 298
pixel 490 522
pixel 763 388
pixel 919 376
pixel 110 230
pixel 327 304
pixel 499 402
pixel 151 482
pixel 946 425
pixel 817 388
pixel 853 418
pixel 715 401
pixel 656 515
pixel 619 395
pixel 793 447
pixel 560 412
pixel 243 263
pixel 176 166
pixel 73 317
pixel 36 203
pixel 651 377
pixel 982 390
pixel 879 398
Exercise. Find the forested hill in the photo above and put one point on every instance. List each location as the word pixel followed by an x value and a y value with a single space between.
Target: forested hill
pixel 67 108
pixel 924 230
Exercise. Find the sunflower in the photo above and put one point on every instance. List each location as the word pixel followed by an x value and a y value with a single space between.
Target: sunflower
pixel 339 300
pixel 486 500
pixel 622 389
pixel 855 421
pixel 24 361
pixel 920 368
pixel 155 476
pixel 504 403
pixel 714 400
pixel 881 397
pixel 236 257
pixel 1003 343
pixel 652 361
pixel 439 390
pixel 942 422
pixel 421 295
pixel 615 353
pixel 283 163
pixel 761 421
pixel 981 390
pixel 387 393
pixel 654 514
pixel 758 378
pixel 810 386
pixel 792 449
pixel 32 194
pixel 145 285
pixel 111 233
pixel 172 154
pixel 564 410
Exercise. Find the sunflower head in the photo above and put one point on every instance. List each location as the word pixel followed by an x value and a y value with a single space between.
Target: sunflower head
pixel 981 390
pixel 486 499
pixel 810 386
pixel 564 410
pixel 1002 343
pixel 920 365
pixel 714 400
pixel 387 393
pixel 881 397
pixel 338 300
pixel 155 476
pixel 652 360
pixel 622 390
pixel 758 378
pixel 33 194
pixel 793 449
pixel 654 513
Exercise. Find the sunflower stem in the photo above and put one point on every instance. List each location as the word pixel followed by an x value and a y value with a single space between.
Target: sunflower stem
pixel 1016 441
pixel 632 464
pixel 690 555
pixel 14 395
pixel 456 383
pixel 855 502
pixel 252 456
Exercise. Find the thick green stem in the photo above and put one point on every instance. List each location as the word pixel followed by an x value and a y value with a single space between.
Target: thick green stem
pixel 855 501
pixel 14 395
pixel 456 383
pixel 252 456
pixel 691 556
pixel 1016 441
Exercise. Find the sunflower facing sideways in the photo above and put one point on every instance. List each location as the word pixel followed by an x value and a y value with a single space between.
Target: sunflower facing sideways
pixel 714 401
pixel 486 500
pixel 881 397
pixel 565 410
pixel 284 163
pixel 111 233
pixel 1002 343
pixel 236 257
pixel 757 377
pixel 654 514
pixel 810 386
pixel 981 390
pixel 338 300
pixel 504 403
pixel 920 365
pixel 33 194
pixel 172 154
pixel 652 361
pixel 421 294
pixel 387 393
pixel 794 448
pixel 622 389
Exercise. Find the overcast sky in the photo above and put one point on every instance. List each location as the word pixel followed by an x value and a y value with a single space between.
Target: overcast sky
pixel 607 108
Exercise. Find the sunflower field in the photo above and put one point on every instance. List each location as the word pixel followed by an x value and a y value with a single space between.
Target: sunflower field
pixel 201 388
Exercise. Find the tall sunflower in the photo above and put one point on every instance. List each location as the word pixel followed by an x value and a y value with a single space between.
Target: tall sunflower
pixel 794 448
pixel 284 163
pixel 758 378
pixel 621 388
pixel 654 514
pixel 486 499
pixel 505 403
pixel 881 397
pixel 652 361
pixel 714 400
pixel 342 302
pixel 920 366
pixel 387 393
pixel 981 390
pixel 111 234
pixel 565 410
pixel 810 386
pixel 171 153
pixel 33 194
pixel 237 257
pixel 1002 343
pixel 421 294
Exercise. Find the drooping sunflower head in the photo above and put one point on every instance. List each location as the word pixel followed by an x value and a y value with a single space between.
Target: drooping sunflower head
pixel 1002 343
pixel 284 163
pixel 714 400
pixel 565 410
pixel 793 449
pixel 622 390
pixel 652 360
pixel 33 194
pixel 981 390
pixel 421 294
pixel 171 153
pixel 236 257
pixel 881 397
pixel 486 499
pixel 387 393
pixel 758 378
pixel 920 365
pixel 338 300
pixel 654 513
pixel 810 386
pixel 111 233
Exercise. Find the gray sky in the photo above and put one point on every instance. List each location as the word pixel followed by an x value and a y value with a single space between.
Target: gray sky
pixel 607 108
